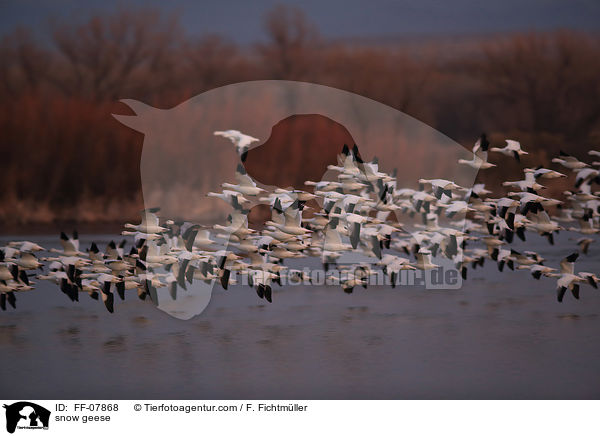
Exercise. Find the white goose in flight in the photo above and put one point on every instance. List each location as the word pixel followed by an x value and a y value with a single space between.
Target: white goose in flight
pixel 240 141
pixel 544 173
pixel 245 185
pixel 567 279
pixel 568 161
pixel 525 185
pixel 149 224
pixel 480 155
pixel 424 260
pixel 511 149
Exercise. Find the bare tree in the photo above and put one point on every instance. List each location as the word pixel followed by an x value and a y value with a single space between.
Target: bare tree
pixel 214 61
pixel 544 83
pixel 24 63
pixel 112 56
pixel 292 40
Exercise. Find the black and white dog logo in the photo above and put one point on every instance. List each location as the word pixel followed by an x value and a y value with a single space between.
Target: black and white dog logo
pixel 26 415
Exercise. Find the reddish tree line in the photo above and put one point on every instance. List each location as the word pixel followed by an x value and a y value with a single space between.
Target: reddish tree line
pixel 65 157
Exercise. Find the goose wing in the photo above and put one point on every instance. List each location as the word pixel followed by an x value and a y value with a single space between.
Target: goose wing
pixel 242 177
pixel 513 145
pixel 567 265
pixel 333 237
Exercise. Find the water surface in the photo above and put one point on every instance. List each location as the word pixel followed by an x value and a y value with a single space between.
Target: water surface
pixel 503 335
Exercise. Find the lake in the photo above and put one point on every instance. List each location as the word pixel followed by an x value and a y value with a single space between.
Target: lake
pixel 501 336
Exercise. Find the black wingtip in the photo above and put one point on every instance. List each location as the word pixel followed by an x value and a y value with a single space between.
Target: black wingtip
pixel 572 257
pixel 143 253
pixel 23 277
pixel 225 278
pixel 14 271
pixel 189 237
pixel 356 154
pixel 12 299
pixel 575 291
pixel 110 302
pixel 260 291
pixel 484 144
pixel 560 294
pixel 121 289
pixel 221 262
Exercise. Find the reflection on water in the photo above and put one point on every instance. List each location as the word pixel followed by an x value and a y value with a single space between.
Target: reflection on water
pixel 501 336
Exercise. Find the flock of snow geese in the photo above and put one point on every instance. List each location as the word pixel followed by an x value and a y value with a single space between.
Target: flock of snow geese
pixel 360 212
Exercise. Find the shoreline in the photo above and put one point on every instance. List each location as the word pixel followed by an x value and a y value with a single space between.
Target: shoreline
pixel 63 226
